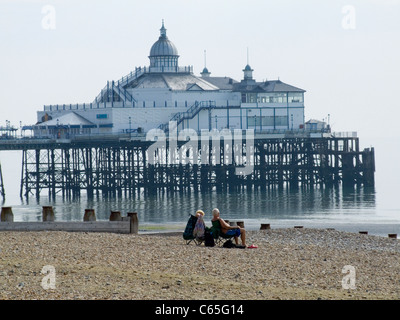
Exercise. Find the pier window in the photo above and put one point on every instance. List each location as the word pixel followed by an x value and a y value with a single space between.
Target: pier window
pixel 164 61
pixel 251 98
pixel 277 97
pixel 267 121
pixel 295 97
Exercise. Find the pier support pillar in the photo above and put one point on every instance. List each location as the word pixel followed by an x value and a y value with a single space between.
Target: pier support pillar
pixel 368 159
pixel 348 169
pixel 118 167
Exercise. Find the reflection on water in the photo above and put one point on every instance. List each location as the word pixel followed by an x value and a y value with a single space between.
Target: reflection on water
pixel 319 206
pixel 175 207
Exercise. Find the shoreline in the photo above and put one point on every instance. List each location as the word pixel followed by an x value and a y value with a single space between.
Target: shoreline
pixel 373 229
pixel 304 264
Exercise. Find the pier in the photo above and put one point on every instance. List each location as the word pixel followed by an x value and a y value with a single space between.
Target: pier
pixel 102 147
pixel 118 165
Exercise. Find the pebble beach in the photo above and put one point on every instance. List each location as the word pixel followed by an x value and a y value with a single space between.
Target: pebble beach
pixel 301 264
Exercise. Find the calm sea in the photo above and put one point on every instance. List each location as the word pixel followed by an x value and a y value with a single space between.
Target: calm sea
pixel 376 210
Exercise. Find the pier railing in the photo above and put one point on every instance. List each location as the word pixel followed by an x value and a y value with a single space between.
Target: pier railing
pixel 26 141
pixel 119 86
pixel 123 97
pixel 188 114
pixel 347 134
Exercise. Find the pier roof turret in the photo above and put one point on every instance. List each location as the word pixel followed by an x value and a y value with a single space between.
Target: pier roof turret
pixel 163 53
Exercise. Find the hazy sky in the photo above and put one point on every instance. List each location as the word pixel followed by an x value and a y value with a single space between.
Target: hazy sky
pixel 345 54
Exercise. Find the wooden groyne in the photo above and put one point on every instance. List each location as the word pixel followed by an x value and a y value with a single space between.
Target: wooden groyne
pixel 117 223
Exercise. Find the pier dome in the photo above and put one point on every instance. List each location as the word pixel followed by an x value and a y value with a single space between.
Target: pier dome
pixel 163 53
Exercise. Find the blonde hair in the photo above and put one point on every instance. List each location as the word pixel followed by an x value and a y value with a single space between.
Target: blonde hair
pixel 201 212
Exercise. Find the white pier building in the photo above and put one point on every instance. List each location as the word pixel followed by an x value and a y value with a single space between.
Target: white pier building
pixel 149 97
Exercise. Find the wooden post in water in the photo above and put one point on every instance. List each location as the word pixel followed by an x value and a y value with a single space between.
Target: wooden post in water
pixel 134 222
pixel 89 215
pixel 7 214
pixel 240 224
pixel 48 213
pixel 265 226
pixel 115 216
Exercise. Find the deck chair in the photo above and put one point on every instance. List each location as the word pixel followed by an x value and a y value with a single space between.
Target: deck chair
pixel 188 233
pixel 219 237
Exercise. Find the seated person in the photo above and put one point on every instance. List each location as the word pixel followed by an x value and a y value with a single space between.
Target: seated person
pixel 199 213
pixel 227 229
pixel 200 227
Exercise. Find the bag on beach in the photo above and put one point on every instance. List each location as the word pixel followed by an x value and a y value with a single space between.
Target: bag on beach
pixel 228 244
pixel 208 239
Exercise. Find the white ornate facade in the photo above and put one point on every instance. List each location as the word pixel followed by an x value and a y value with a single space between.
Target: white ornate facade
pixel 149 97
